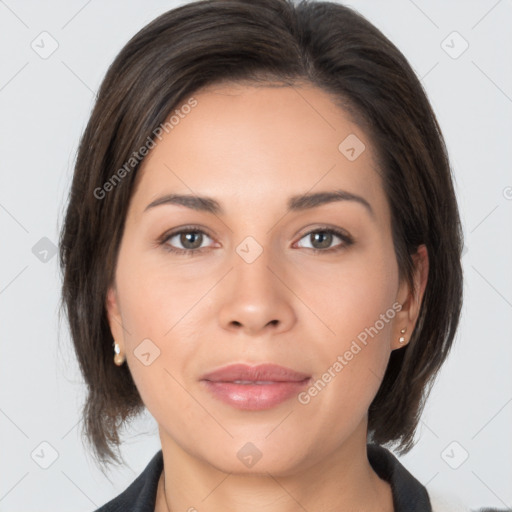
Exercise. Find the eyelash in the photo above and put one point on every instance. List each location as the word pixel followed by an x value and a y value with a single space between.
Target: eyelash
pixel 162 241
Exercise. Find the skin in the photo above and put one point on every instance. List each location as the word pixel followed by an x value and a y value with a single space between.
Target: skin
pixel 251 148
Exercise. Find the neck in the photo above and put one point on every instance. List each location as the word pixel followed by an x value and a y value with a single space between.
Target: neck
pixel 343 481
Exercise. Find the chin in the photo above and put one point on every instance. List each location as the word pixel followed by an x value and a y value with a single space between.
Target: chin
pixel 243 457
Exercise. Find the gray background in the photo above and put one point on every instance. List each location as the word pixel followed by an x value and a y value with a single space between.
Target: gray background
pixel 45 104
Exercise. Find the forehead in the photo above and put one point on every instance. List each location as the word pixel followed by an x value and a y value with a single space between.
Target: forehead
pixel 252 143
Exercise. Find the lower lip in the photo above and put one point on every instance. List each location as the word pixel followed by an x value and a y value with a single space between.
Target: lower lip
pixel 255 397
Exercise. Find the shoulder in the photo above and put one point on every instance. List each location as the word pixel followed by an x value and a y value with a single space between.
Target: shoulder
pixel 140 495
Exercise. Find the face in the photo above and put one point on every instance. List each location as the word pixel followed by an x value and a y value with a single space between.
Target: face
pixel 307 285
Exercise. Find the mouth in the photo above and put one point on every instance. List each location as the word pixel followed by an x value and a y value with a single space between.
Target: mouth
pixel 254 387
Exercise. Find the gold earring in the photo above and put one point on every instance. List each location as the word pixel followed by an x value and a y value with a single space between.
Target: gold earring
pixel 118 358
pixel 402 338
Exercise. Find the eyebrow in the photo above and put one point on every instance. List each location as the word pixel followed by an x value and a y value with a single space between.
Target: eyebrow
pixel 295 203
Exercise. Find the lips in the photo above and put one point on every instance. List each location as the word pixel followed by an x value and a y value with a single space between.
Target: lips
pixel 254 387
pixel 251 374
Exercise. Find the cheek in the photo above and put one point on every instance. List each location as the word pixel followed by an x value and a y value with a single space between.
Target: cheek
pixel 155 299
pixel 355 296
pixel 159 327
pixel 358 304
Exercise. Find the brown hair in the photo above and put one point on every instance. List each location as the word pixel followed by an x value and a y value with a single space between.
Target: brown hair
pixel 212 41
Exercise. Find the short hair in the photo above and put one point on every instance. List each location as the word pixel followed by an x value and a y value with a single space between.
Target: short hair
pixel 323 44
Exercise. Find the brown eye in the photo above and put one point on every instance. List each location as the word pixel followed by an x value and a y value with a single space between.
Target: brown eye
pixel 322 239
pixel 185 241
pixel 190 239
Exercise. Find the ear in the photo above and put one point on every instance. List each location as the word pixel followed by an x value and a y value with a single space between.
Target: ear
pixel 411 299
pixel 114 316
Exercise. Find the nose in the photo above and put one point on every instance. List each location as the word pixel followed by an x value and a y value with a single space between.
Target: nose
pixel 255 298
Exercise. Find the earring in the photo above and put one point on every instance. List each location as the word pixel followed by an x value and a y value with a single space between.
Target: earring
pixel 402 338
pixel 118 358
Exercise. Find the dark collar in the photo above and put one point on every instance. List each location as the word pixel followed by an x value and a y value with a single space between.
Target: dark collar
pixel 409 495
pixel 140 496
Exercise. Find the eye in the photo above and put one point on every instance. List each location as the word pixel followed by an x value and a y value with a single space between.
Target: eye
pixel 191 239
pixel 323 238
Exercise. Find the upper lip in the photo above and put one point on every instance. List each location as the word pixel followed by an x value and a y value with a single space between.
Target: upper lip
pixel 261 372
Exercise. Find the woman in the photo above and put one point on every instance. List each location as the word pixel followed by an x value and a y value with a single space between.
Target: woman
pixel 262 247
